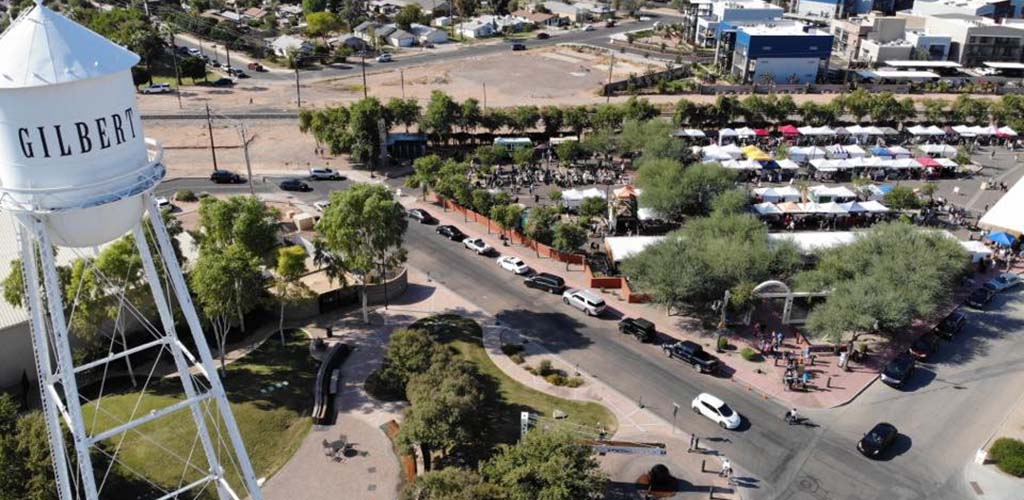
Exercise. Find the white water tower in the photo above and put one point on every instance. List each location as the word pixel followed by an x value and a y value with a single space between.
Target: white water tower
pixel 76 171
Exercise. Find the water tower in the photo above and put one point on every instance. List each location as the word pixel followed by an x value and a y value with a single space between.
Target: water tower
pixel 76 171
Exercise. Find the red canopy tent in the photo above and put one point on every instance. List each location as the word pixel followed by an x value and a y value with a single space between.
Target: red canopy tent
pixel 760 132
pixel 926 161
pixel 789 130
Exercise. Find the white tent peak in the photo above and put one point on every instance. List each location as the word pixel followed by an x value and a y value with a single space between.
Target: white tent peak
pixel 42 47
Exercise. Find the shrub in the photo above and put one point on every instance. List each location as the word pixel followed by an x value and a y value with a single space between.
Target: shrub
pixel 511 349
pixel 530 369
pixel 750 354
pixel 517 358
pixel 544 368
pixel 185 195
pixel 203 195
pixel 573 382
pixel 1008 454
pixel 723 343
pixel 555 378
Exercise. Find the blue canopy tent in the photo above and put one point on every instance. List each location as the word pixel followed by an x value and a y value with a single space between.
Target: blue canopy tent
pixel 885 188
pixel 1002 238
pixel 880 151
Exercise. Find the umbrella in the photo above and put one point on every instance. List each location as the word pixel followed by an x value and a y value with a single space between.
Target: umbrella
pixel 760 132
pixel 927 161
pixel 1006 132
pixel 1002 238
pixel 789 130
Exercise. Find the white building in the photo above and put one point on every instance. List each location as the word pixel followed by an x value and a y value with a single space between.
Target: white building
pixel 571 13
pixel 732 12
pixel 426 34
pixel 475 29
pixel 285 44
pixel 984 8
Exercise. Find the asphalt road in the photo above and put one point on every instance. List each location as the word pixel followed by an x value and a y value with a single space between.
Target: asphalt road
pixel 946 412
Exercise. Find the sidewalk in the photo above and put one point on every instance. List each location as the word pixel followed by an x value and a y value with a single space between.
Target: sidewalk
pixel 986 480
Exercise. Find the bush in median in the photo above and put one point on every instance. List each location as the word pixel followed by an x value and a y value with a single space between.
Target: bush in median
pixel 750 354
pixel 185 195
pixel 1008 454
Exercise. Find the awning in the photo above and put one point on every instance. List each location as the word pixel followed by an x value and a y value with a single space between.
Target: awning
pixel 927 161
pixel 745 132
pixel 1002 238
pixel 760 132
pixel 789 130
pixel 880 151
pixel 873 206
pixel 767 209
pixel 1006 132
pixel 787 164
pixel 727 132
pixel 690 132
pixel 755 153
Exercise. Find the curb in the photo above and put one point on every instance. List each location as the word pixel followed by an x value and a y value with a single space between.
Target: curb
pixel 856 394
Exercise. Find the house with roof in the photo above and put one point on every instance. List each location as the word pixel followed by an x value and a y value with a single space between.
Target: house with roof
pixel 285 44
pixel 368 31
pixel 425 34
pixel 475 28
pixel 350 40
pixel 538 18
pixel 254 14
pixel 398 37
pixel 570 13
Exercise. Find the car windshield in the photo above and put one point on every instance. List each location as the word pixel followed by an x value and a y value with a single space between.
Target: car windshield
pixel 874 437
pixel 724 410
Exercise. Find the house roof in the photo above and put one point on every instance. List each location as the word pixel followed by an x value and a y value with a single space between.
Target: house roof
pixel 400 33
pixel 535 17
pixel 364 26
pixel 288 42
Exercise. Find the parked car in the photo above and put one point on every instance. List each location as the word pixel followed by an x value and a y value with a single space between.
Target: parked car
pixel 514 264
pixel 899 370
pixel 543 36
pixel 451 232
pixel 255 66
pixel 609 23
pixel 693 353
pixel 225 177
pixel 212 62
pixel 1004 281
pixel 584 300
pixel 321 205
pixel 237 73
pixel 157 88
pixel 478 245
pixel 716 410
pixel 980 298
pixel 951 325
pixel 222 82
pixel 383 58
pixel 162 202
pixel 420 215
pixel 518 46
pixel 924 346
pixel 880 437
pixel 324 174
pixel 587 27
pixel 294 185
pixel 640 328
pixel 545 281
pixel 194 52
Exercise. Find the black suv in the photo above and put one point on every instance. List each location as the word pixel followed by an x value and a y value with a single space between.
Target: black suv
pixel 545 281
pixel 294 185
pixel 898 370
pixel 640 328
pixel 951 325
pixel 980 298
pixel 451 232
pixel 518 46
pixel 420 215
pixel 225 177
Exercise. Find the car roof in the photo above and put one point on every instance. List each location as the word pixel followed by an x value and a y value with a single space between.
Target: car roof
pixel 883 426
pixel 708 398
pixel 548 276
pixel 589 294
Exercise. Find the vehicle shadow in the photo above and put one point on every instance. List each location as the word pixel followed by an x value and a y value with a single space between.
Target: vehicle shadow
pixel 921 377
pixel 899 446
pixel 973 341
pixel 560 331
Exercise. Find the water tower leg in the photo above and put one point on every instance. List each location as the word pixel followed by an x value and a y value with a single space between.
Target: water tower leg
pixel 203 349
pixel 62 348
pixel 44 369
pixel 177 352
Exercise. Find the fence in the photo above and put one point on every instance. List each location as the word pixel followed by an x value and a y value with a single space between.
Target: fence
pixel 646 80
pixel 375 293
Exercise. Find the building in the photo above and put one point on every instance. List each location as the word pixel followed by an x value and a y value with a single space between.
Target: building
pixel 475 29
pixel 350 40
pixel 975 40
pixel 286 44
pixel 425 34
pixel 570 13
pixel 885 41
pixel 995 9
pixel 819 9
pixel 596 10
pixel 789 53
pixel 391 7
pixel 935 47
pixel 398 37
pixel 538 18
pixel 848 35
pixel 875 38
pixel 706 26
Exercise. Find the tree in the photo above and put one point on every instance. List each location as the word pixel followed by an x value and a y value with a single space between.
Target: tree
pixel 733 201
pixel 540 224
pixel 226 282
pixel 192 67
pixel 568 151
pixel 440 116
pixel 883 281
pixel 524 118
pixel 568 238
pixel 470 115
pixel 935 110
pixel 607 116
pixel 856 103
pixel 507 216
pixel 638 109
pixel 364 225
pixel 467 8
pixel 727 109
pixel 902 198
pixel 816 115
pixel 311 6
pixel 425 173
pixel 482 201
pixel 966 108
pixel 576 118
pixel 130 28
pixel 547 465
pixel 12 473
pixel 451 483
pixel 37 463
pixel 696 265
pixel 593 207
pixel 404 111
pixel 522 156
pixel 242 220
pixel 321 24
pixel 410 351
pixel 928 189
pixel 683 112
pixel 364 133
pixel 291 265
pixel 674 190
pixel 409 15
pixel 552 118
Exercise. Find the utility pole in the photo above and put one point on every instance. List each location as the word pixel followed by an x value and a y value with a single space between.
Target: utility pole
pixel 485 98
pixel 607 91
pixel 227 52
pixel 177 72
pixel 209 129
pixel 363 55
pixel 401 74
pixel 245 153
pixel 298 95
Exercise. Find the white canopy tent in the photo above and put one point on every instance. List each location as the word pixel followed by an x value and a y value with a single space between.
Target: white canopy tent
pixel 725 132
pixel 572 198
pixel 805 154
pixel 623 247
pixel 899 152
pixel 778 194
pixel 873 206
pixel 745 132
pixel 829 193
pixel 742 165
pixel 936 150
pixel 1006 132
pixel 691 133
pixel 767 209
pixel 787 164
pixel 1005 215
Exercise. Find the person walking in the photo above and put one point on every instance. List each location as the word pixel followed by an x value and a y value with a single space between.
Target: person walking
pixel 726 468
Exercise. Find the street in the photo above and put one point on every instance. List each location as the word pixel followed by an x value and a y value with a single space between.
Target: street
pixel 946 412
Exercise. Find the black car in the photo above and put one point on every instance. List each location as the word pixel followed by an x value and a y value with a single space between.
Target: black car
pixel 640 328
pixel 924 346
pixel 899 370
pixel 951 325
pixel 421 215
pixel 543 36
pixel 451 232
pixel 225 177
pixel 980 298
pixel 545 281
pixel 518 46
pixel 294 185
pixel 222 82
pixel 880 437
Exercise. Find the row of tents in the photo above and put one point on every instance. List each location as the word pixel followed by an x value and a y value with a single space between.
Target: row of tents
pixel 854 130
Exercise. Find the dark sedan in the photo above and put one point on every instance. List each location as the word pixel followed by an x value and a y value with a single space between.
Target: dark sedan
pixel 421 215
pixel 225 177
pixel 294 185
pixel 951 325
pixel 980 298
pixel 880 437
pixel 898 370
pixel 451 232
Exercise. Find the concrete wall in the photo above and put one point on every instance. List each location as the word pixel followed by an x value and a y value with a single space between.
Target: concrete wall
pixel 781 69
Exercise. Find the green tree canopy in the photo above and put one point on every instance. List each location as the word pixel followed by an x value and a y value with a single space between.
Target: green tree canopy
pixel 593 207
pixel 674 190
pixel 902 198
pixel 547 465
pixel 451 483
pixel 227 284
pixel 321 24
pixel 440 116
pixel 411 13
pixel 242 220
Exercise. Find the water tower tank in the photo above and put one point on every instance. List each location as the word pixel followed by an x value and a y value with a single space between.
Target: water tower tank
pixel 72 151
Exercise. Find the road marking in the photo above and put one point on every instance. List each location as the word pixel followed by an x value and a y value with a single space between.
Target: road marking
pixel 977 489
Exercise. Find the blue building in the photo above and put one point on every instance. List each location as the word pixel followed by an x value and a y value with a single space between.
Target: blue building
pixel 780 53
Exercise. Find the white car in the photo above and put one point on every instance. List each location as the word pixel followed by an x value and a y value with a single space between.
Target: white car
pixel 588 27
pixel 644 19
pixel 584 300
pixel 1004 281
pixel 324 174
pixel 157 88
pixel 194 52
pixel 478 245
pixel 716 410
pixel 514 264
pixel 321 205
pixel 163 202
pixel 383 58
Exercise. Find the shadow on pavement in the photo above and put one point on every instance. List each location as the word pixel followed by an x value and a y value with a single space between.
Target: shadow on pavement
pixel 901 445
pixel 561 332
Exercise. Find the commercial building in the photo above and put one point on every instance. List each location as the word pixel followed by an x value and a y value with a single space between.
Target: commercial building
pixel 781 53
pixel 975 40
pixel 995 9
pixel 875 38
pixel 707 21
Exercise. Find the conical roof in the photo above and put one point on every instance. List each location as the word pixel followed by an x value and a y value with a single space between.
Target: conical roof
pixel 42 47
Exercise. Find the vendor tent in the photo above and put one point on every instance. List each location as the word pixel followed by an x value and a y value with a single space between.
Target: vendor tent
pixel 572 198
pixel 938 150
pixel 873 206
pixel 761 132
pixel 946 163
pixel 853 207
pixel 789 130
pixel 767 209
pixel 1002 238
pixel 1006 132
pixel 725 132
pixel 927 161
pixel 778 194
pixel 832 208
pixel 899 152
pixel 742 165
pixel 745 132
pixel 880 151
pixel 755 153
pixel 805 154
pixel 1005 215
pixel 623 247
pixel 787 164
pixel 691 133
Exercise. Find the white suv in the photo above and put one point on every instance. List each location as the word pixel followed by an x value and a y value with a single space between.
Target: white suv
pixel 324 174
pixel 157 88
pixel 584 300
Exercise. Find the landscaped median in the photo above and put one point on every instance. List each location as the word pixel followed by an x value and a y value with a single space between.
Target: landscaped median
pixel 270 390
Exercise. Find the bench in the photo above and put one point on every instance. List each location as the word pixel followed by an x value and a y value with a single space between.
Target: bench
pixel 328 383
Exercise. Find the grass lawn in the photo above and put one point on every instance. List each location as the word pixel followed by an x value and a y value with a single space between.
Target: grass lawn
pixel 273 420
pixel 464 335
